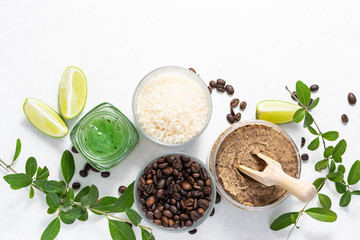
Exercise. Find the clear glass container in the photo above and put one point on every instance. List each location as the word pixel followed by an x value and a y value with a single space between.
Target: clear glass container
pixel 104 136
pixel 169 229
pixel 171 69
pixel 212 164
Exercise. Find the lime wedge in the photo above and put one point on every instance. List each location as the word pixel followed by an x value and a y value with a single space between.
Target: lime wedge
pixel 44 118
pixel 72 92
pixel 276 111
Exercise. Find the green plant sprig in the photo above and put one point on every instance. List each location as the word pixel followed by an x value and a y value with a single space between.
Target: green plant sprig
pixel 62 201
pixel 332 162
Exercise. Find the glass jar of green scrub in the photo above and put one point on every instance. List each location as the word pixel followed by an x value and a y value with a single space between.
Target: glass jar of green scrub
pixel 104 136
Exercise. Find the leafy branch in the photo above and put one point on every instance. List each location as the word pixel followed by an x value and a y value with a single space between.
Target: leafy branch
pixel 332 162
pixel 61 199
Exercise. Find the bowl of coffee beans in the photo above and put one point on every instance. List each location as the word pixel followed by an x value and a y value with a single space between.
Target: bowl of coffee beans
pixel 175 192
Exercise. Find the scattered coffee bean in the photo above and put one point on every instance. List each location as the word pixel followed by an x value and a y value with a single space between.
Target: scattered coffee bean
pixel 76 185
pixel 193 70
pixel 83 173
pixel 232 111
pixel 305 157
pixel 344 118
pixel 294 94
pixel 237 117
pixel 351 98
pixel 310 102
pixel 302 141
pixel 87 167
pixel 230 118
pixel 314 88
pixel 234 102
pixel 212 212
pixel 94 169
pixel 210 89
pixel 73 149
pixel 220 88
pixel 243 105
pixel 105 174
pixel 229 89
pixel 221 82
pixel 122 189
pixel 218 198
pixel 193 231
pixel 213 84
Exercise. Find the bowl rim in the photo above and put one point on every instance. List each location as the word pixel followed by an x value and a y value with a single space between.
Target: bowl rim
pixel 145 79
pixel 200 220
pixel 211 162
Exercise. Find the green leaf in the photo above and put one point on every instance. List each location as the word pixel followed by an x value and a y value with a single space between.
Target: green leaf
pixel 52 230
pixel 65 219
pixel 340 187
pixel 322 214
pixel 52 200
pixel 345 199
pixel 31 166
pixel 68 197
pixel 42 173
pixel 121 231
pixel 82 193
pixel 335 176
pixel 52 186
pixel 126 200
pixel 356 192
pixel 303 92
pixel 84 215
pixel 67 166
pixel 321 165
pixel 134 217
pixel 18 180
pixel 145 235
pixel 340 149
pixel 74 213
pixel 324 200
pixel 308 120
pixel 312 130
pixel 328 151
pixel 299 115
pixel 314 103
pixel 104 204
pixel 314 144
pixel 337 159
pixel 354 174
pixel 284 221
pixel 51 210
pixel 319 183
pixel 341 168
pixel 17 150
pixel 31 194
pixel 91 197
pixel 332 166
pixel 331 135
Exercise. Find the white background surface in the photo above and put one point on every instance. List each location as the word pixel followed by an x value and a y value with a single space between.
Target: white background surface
pixel 257 46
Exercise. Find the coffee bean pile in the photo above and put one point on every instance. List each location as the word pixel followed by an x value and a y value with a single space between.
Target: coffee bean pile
pixel 174 191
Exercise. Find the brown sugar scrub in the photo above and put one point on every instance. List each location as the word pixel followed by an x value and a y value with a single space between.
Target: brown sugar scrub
pixel 236 148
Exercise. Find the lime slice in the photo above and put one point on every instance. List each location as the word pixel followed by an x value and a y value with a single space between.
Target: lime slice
pixel 276 111
pixel 44 118
pixel 72 92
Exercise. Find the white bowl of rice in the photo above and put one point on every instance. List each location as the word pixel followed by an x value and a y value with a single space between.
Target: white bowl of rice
pixel 172 105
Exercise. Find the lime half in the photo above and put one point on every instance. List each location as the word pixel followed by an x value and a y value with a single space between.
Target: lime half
pixel 44 118
pixel 276 111
pixel 72 92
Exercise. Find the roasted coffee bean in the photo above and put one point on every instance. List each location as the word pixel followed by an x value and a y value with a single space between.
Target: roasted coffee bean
pixel 182 224
pixel 150 201
pixel 200 211
pixel 167 171
pixel 196 193
pixel 177 187
pixel 232 111
pixel 302 141
pixel 142 184
pixel 160 160
pixel 294 94
pixel 160 193
pixel 176 217
pixel 194 215
pixel 73 149
pixel 163 165
pixel 193 231
pixel 310 102
pixel 314 88
pixel 87 167
pixel 207 190
pixel 344 118
pixel 105 174
pixel 176 224
pixel 210 89
pixel 229 89
pixel 94 169
pixel 234 102
pixel 212 84
pixel 193 70
pixel 200 183
pixel 150 188
pixel 157 214
pixel 305 157
pixel 83 173
pixel 195 167
pixel 184 158
pixel 203 204
pixel 175 172
pixel 189 223
pixel 191 180
pixel 177 197
pixel 237 117
pixel 147 170
pixel 144 209
pixel 184 217
pixel 150 175
pixel 122 189
pixel 75 185
pixel 220 82
pixel 157 222
pixel 195 175
pixel 188 164
pixel 154 165
pixel 186 186
pixel 149 215
pixel 171 223
pixel 189 202
pixel 207 198
pixel 208 182
pixel 166 206
pixel 212 212
pixel 351 98
pixel 197 187
pixel 170 159
pixel 243 105
pixel 177 164
pixel 165 221
pixel 218 198
pixel 159 173
pixel 230 118
pixel 195 205
pixel 173 201
pixel 173 209
pixel 142 201
pixel 220 88
pixel 169 180
pixel 167 213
